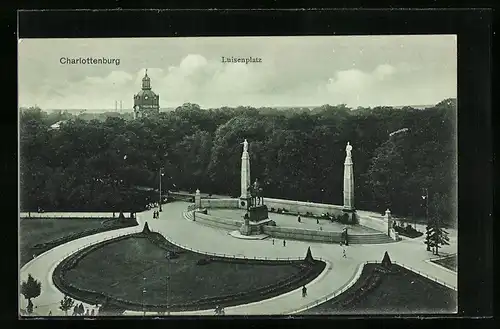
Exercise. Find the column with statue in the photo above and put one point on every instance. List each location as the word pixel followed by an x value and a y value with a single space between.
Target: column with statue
pixel 245 177
pixel 349 184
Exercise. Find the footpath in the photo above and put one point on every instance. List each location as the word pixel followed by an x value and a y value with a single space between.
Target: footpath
pixel 191 235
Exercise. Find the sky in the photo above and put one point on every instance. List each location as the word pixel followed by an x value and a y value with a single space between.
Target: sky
pixel 293 71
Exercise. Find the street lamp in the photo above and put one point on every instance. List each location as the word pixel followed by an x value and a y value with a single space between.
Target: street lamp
pixel 168 283
pixel 144 297
pixel 425 196
pixel 161 175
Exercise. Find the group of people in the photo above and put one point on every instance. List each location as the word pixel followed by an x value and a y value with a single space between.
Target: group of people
pixel 156 214
pixel 151 205
pixel 300 219
pixel 284 243
pixel 79 310
pixel 219 310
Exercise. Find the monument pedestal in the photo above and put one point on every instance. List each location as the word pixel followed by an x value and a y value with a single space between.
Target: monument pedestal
pixel 352 215
pixel 244 202
pixel 257 218
pixel 258 213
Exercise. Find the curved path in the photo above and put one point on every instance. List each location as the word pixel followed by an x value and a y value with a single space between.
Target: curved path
pixel 339 272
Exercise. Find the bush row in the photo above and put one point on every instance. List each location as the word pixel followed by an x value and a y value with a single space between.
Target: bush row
pixel 407 231
pixel 368 284
pixel 106 227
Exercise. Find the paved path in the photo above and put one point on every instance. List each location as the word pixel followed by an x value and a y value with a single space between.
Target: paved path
pixel 44 265
pixel 176 228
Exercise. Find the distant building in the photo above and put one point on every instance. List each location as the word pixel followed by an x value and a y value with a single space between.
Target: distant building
pixel 57 125
pixel 146 102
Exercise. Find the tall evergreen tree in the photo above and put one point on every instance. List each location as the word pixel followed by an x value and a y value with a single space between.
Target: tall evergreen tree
pixel 428 233
pixel 439 237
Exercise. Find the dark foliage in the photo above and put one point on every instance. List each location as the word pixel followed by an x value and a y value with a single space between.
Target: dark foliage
pixel 100 163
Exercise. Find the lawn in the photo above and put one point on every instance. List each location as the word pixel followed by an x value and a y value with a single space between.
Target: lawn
pixel 122 269
pixel 399 292
pixel 448 262
pixel 36 231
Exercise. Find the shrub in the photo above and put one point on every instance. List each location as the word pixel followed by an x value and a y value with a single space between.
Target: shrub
pixel 204 261
pixel 408 231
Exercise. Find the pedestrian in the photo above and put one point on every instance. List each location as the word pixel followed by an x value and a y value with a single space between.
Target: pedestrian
pixel 273 242
pixel 321 228
pixel 34 256
pixel 92 313
pixel 75 310
pixel 284 243
pixel 298 218
pixel 343 253
pixel 317 220
pixel 50 313
pixel 87 312
pixel 304 291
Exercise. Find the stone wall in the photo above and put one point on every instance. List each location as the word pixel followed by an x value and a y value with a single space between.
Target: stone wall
pixel 220 203
pixel 69 215
pixel 323 236
pixel 302 207
pixel 217 222
pixel 302 234
pixel 293 207
pixel 291 233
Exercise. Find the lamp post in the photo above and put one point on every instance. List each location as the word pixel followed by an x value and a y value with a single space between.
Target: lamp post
pixel 168 283
pixel 425 196
pixel 392 138
pixel 161 175
pixel 144 297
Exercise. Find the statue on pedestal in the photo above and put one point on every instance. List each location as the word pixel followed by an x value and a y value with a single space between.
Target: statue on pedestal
pixel 256 194
pixel 348 149
pixel 245 145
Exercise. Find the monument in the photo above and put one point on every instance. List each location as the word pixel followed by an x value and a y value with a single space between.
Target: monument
pixel 251 199
pixel 349 184
pixel 245 177
pixel 257 210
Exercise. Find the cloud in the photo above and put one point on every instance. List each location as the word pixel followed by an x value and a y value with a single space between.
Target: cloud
pixel 348 85
pixel 114 78
pixel 294 71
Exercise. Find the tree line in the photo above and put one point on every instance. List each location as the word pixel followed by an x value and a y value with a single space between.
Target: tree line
pixel 108 162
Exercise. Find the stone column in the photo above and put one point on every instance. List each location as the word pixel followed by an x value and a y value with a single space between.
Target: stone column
pixel 197 199
pixel 388 218
pixel 348 180
pixel 245 176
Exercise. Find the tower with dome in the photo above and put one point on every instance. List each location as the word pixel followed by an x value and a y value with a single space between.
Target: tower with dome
pixel 146 102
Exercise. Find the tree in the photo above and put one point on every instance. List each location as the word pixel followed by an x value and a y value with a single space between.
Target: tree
pixel 438 236
pixel 30 289
pixel 66 304
pixel 428 233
